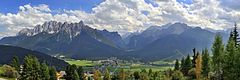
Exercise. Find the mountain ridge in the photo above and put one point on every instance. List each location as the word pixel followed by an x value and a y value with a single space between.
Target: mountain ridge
pixel 56 38
pixel 79 41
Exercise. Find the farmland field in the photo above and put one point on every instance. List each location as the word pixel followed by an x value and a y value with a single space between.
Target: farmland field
pixel 81 62
pixel 139 67
pixel 126 66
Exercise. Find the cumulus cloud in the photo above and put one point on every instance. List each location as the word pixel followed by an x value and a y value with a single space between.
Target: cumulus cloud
pixel 127 15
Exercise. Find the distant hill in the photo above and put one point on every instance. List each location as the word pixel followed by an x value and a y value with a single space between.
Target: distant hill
pixel 7 53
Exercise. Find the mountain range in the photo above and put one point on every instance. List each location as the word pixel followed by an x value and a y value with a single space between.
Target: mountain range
pixel 79 41
pixel 171 41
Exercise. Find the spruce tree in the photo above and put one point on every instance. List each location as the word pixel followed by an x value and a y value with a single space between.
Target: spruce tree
pixel 80 72
pixel 218 51
pixel 235 34
pixel 187 65
pixel 182 65
pixel 70 71
pixel 205 63
pixel 75 75
pixel 230 62
pixel 144 75
pixel 177 65
pixel 236 62
pixel 177 75
pixel 194 57
pixel 52 73
pixel 150 72
pixel 136 75
pixel 31 69
pixel 44 72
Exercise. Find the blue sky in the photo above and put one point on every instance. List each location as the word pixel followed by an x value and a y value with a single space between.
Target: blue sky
pixel 186 1
pixel 12 6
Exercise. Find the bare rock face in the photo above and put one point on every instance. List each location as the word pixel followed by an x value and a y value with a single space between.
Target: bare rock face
pixel 54 27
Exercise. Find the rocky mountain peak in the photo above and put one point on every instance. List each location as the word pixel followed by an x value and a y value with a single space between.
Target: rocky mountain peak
pixel 52 27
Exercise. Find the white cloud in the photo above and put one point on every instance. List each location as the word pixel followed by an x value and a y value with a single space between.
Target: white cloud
pixel 127 15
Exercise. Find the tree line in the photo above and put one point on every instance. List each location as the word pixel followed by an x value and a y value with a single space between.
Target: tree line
pixel 31 69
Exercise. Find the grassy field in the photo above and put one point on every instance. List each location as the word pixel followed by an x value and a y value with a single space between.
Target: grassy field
pixel 81 62
pixel 163 62
pixel 126 66
pixel 139 67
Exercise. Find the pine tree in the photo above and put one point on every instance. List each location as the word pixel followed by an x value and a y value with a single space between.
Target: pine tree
pixel 70 71
pixel 80 72
pixel 44 72
pixel 31 69
pixel 156 76
pixel 97 75
pixel 176 65
pixel 15 63
pixel 218 51
pixel 177 75
pixel 198 67
pixel 182 65
pixel 144 75
pixel 107 75
pixel 150 72
pixel 194 57
pixel 235 34
pixel 230 62
pixel 236 62
pixel 205 63
pixel 187 65
pixel 52 73
pixel 136 75
pixel 75 75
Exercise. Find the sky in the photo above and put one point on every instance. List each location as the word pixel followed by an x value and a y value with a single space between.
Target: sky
pixel 123 16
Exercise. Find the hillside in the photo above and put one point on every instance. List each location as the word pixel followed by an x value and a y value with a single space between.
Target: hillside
pixel 7 53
